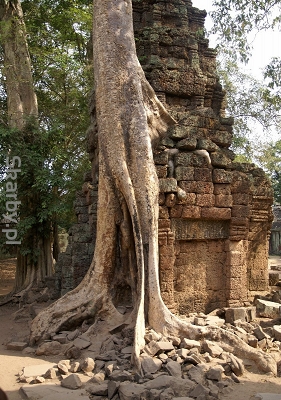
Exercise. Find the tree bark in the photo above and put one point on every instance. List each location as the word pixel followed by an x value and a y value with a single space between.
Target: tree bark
pixel 129 118
pixel 22 115
pixel 22 101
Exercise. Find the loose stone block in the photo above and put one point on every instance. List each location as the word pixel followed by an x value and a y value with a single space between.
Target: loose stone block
pixel 17 346
pixel 72 382
pixel 158 347
pixel 233 314
pixel 268 309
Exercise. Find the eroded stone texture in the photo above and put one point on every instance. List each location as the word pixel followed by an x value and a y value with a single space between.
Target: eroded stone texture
pixel 215 214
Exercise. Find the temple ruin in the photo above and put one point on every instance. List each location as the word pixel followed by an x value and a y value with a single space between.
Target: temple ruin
pixel 215 214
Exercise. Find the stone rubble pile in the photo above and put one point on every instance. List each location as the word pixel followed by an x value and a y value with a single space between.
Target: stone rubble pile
pixel 171 367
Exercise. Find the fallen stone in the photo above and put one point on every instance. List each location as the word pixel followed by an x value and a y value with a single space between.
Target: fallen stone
pixel 81 343
pixel 253 341
pixel 215 373
pixel 73 352
pixel 50 374
pixel 182 398
pixel 233 314
pixel 112 389
pixel 74 367
pixel 37 370
pixel 181 387
pixel 72 382
pixel 52 391
pixel 196 374
pixel 130 391
pixel 88 365
pixel 120 376
pixel 200 321
pixel 166 394
pixel 150 365
pixel 64 366
pixel 127 350
pixel 190 344
pixel 49 348
pixel 260 334
pixel 98 378
pixel 268 309
pixel 212 348
pixel 174 369
pixel 214 320
pixel 16 346
pixel 199 390
pixel 39 379
pixel 98 390
pixel 154 348
pixel 61 338
pixel 28 350
pixel 277 332
pixel 152 335
pixel 73 335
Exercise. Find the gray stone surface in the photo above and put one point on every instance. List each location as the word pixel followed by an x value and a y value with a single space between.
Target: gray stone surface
pixel 51 391
pixel 98 389
pixel 72 381
pixel 266 396
pixel 174 369
pixel 150 365
pixel 81 343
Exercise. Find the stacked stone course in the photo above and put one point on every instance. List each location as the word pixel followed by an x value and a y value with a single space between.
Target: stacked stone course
pixel 215 214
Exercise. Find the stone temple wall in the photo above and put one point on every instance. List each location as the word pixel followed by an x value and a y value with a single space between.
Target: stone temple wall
pixel 215 214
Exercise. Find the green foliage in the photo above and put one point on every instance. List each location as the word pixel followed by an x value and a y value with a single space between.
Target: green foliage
pixel 270 159
pixel 237 21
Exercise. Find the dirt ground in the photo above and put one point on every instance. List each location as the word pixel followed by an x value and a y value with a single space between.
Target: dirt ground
pixel 12 362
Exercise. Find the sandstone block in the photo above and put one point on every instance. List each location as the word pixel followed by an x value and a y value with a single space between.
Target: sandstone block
pixel 223 200
pixel 212 348
pixel 260 334
pixel 88 365
pixel 158 347
pixel 216 213
pixel 233 314
pixel 191 212
pixel 277 332
pixel 17 346
pixel 268 309
pixel 205 200
pixel 190 344
pixel 64 366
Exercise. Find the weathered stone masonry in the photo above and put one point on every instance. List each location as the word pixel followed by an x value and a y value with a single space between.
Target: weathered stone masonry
pixel 215 215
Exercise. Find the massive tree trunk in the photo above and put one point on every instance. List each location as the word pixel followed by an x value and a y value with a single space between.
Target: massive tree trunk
pixel 22 115
pixel 130 118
